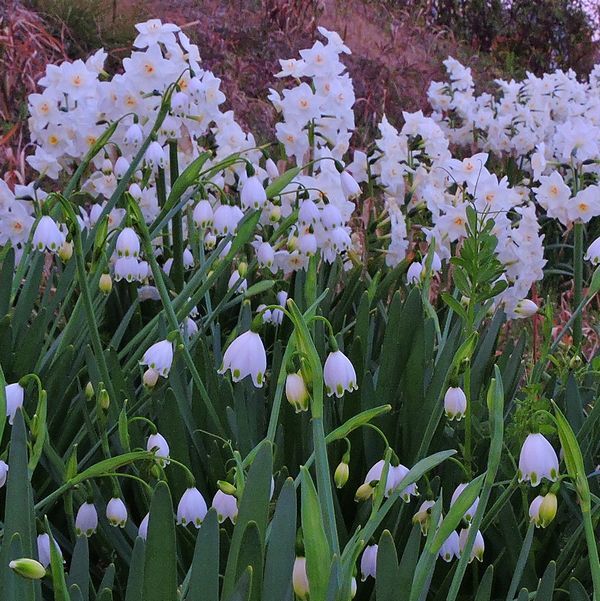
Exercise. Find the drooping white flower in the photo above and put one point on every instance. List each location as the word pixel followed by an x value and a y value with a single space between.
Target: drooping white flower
pixel 43 549
pixel 3 472
pixel 470 512
pixel 116 512
pixel 350 187
pixel 159 357
pixel 234 278
pixel 593 252
pixel 450 547
pixel 455 403
pixel 246 356
pixel 253 195
pixel 542 510
pixel 143 529
pixel 203 214
pixel 478 545
pixel 15 395
pixel 226 506
pixel 525 308
pixel 265 255
pixel 128 243
pixel 339 374
pixel 413 274
pixel 300 579
pixel 423 516
pixel 368 562
pixel 86 521
pixel 159 444
pixel 192 508
pixel 47 235
pixel 296 392
pixel 537 460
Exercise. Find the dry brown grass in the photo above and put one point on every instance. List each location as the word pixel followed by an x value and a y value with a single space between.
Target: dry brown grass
pixel 26 46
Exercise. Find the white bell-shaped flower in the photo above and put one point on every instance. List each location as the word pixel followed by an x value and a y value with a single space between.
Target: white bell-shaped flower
pixel 159 357
pixel 593 252
pixel 350 186
pixel 155 156
pixel 127 268
pixel 47 235
pixel 226 219
pixel 537 460
pixel 116 512
pixel 86 521
pixel 450 547
pixel 368 562
pixel 478 545
pixel 121 167
pixel 128 243
pixel 133 136
pixel 300 579
pixel 246 356
pixel 339 374
pixel 413 274
pixel 15 395
pixel 143 529
pixel 43 549
pixel 158 443
pixel 226 506
pixel 234 278
pixel 296 392
pixel 203 214
pixel 253 195
pixel 3 472
pixel 265 255
pixel 455 403
pixel 471 511
pixel 192 508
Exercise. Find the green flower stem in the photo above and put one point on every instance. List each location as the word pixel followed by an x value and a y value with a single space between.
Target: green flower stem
pixel 87 298
pixel 590 539
pixel 324 487
pixel 177 270
pixel 467 390
pixel 171 317
pixel 578 282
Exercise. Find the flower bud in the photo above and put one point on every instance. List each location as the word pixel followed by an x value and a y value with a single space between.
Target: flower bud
pixel 226 487
pixel 548 509
pixel 89 390
pixel 300 579
pixel 342 473
pixel 15 395
pixel 3 473
pixel 363 492
pixel 455 403
pixel 526 308
pixel 423 516
pixel 296 392
pixel 105 283
pixel 150 378
pixel 271 169
pixel 28 568
pixel 104 399
pixel 350 186
pixel 65 252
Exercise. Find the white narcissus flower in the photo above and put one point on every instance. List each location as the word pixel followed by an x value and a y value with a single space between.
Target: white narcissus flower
pixel 450 547
pixel 478 545
pixel 159 357
pixel 143 529
pixel 86 521
pixel 339 374
pixel 15 395
pixel 455 403
pixel 226 506
pixel 159 444
pixel 368 562
pixel 128 243
pixel 43 549
pixel 253 195
pixel 116 512
pixel 537 460
pixel 470 512
pixel 300 579
pixel 246 356
pixel 47 235
pixel 3 473
pixel 296 392
pixel 192 508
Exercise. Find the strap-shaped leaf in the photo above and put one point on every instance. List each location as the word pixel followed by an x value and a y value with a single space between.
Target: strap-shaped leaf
pixel 204 582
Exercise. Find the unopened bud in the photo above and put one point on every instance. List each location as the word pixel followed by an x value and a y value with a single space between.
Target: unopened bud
pixel 89 390
pixel 28 568
pixel 226 487
pixel 65 252
pixel 548 509
pixel 105 283
pixel 296 392
pixel 342 472
pixel 243 269
pixel 363 492
pixel 104 399
pixel 150 378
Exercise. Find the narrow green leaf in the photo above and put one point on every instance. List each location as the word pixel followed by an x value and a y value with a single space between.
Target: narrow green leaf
pixel 204 582
pixel 484 592
pixel 135 579
pixel 545 589
pixel 387 581
pixel 79 572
